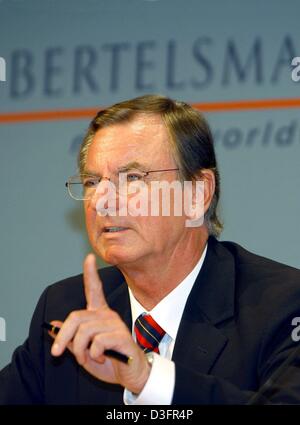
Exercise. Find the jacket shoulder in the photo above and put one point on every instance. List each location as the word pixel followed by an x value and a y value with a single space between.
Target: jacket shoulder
pixel 246 260
pixel 268 283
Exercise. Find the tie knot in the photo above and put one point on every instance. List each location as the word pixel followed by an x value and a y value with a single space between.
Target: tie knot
pixel 148 333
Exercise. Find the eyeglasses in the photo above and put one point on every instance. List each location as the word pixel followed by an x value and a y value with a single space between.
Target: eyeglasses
pixel 83 187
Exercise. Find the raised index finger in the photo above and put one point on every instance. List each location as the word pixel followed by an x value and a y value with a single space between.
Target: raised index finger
pixel 94 295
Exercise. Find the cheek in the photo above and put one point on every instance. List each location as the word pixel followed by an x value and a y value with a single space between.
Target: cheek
pixel 90 221
pixel 152 229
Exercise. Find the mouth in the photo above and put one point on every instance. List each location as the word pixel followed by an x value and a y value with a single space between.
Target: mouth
pixel 114 229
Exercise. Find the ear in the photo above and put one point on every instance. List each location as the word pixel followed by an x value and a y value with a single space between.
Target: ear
pixel 208 176
pixel 200 196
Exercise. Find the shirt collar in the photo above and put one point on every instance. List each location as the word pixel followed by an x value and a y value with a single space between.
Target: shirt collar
pixel 168 312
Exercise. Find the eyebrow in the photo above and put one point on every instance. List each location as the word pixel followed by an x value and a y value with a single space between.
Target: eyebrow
pixel 129 166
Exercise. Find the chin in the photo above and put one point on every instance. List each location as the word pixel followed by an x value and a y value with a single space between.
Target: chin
pixel 116 256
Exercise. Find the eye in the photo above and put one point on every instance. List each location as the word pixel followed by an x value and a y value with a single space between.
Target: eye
pixel 90 182
pixel 131 177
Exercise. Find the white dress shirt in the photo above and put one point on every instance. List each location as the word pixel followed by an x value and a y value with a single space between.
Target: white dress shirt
pixel 167 313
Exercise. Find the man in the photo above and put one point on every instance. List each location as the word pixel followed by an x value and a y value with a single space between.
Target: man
pixel 214 319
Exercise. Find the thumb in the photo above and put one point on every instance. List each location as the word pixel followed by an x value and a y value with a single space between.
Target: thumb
pixel 58 324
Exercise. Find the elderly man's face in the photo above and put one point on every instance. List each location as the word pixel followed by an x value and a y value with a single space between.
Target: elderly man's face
pixel 145 141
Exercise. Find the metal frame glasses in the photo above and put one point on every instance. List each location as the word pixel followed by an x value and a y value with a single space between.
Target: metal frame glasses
pixel 82 187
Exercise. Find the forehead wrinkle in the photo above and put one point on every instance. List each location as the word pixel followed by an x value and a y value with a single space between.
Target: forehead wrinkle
pixel 128 166
pixel 130 142
pixel 115 161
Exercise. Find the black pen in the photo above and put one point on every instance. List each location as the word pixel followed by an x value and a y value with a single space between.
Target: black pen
pixel 109 353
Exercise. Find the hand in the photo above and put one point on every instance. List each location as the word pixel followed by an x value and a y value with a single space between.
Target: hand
pixel 87 333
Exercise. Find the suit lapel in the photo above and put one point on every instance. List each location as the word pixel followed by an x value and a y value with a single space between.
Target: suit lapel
pixel 199 342
pixel 119 301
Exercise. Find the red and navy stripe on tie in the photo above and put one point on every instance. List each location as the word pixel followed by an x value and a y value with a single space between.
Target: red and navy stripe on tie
pixel 148 333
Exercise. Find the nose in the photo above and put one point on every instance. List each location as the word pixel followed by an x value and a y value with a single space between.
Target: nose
pixel 104 199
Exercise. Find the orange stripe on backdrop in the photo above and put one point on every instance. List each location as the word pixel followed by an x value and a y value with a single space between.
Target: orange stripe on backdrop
pixel 88 113
pixel 63 114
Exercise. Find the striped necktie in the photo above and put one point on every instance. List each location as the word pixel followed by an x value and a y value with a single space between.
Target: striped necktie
pixel 148 333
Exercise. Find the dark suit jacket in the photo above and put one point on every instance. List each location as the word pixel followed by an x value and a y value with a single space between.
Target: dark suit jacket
pixel 234 333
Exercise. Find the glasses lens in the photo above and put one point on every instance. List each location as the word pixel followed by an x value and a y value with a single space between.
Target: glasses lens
pixel 75 188
pixel 83 187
